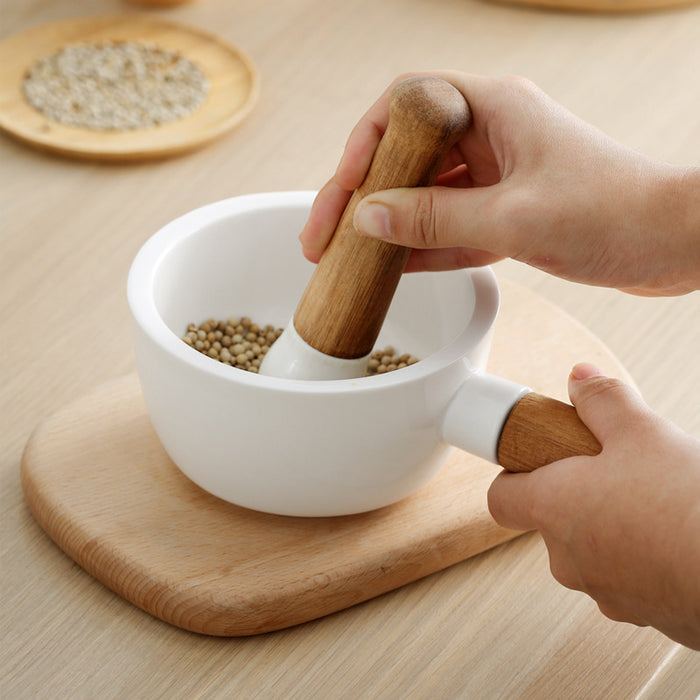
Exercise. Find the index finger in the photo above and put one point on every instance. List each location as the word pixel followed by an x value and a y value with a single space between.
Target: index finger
pixel 362 143
pixel 510 500
pixel 354 164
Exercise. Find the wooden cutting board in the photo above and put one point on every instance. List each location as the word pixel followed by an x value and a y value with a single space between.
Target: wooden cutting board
pixel 100 484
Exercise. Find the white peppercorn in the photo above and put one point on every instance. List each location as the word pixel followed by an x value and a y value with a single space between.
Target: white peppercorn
pixel 115 86
pixel 242 344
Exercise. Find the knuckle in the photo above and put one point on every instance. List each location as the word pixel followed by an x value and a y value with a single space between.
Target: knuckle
pixel 599 387
pixel 519 84
pixel 563 573
pixel 611 612
pixel 521 212
pixel 516 219
pixel 424 221
pixel 618 404
pixel 619 613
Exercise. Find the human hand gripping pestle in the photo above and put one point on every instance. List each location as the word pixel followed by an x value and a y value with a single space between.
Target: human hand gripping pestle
pixel 340 315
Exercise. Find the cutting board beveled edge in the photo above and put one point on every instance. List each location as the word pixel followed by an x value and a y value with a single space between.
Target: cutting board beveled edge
pixel 100 484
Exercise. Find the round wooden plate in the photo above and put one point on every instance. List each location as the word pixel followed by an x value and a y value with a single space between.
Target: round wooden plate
pixel 232 94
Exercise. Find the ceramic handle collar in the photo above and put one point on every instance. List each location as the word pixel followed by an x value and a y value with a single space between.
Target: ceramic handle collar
pixel 478 411
pixel 513 426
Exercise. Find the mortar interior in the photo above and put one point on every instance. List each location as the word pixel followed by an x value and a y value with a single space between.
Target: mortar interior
pixel 249 263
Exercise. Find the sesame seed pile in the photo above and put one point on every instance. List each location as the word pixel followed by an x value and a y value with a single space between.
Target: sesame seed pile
pixel 115 86
pixel 243 344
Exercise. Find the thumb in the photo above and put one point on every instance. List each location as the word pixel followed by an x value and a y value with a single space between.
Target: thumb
pixel 606 405
pixel 431 217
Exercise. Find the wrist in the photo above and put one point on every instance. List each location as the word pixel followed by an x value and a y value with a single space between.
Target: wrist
pixel 673 210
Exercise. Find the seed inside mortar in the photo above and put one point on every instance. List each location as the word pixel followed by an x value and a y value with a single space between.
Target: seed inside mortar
pixel 241 343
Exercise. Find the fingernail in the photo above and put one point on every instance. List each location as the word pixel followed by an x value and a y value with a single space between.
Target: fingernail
pixel 586 370
pixel 372 219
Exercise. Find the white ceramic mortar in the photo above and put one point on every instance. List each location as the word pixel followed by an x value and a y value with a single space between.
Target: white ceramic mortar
pixel 294 447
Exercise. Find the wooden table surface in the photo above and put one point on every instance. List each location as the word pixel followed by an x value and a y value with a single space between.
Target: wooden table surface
pixel 495 626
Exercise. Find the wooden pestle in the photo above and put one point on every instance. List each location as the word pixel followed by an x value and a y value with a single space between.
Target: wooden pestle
pixel 348 296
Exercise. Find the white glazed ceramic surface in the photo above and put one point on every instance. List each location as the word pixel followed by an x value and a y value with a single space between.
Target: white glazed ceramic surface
pixel 293 447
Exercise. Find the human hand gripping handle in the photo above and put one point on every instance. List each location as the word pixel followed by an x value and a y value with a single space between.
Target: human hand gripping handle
pixel 624 526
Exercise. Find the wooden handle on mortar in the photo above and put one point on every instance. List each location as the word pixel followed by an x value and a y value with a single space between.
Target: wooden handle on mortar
pixel 541 430
pixel 346 300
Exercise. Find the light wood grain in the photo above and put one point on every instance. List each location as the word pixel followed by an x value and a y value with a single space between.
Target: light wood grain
pixel 494 626
pixel 233 88
pixel 224 570
pixel 229 571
